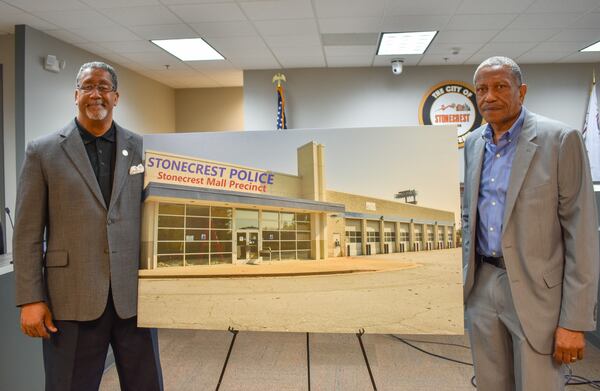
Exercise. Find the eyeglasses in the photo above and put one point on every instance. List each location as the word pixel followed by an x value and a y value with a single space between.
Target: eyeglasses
pixel 101 88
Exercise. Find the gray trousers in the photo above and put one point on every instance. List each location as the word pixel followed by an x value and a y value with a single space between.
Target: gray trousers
pixel 504 360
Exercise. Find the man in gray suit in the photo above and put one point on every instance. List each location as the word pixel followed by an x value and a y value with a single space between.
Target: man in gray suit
pixel 530 239
pixel 78 288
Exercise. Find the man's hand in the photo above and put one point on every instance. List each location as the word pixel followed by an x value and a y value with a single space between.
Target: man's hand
pixel 36 320
pixel 568 345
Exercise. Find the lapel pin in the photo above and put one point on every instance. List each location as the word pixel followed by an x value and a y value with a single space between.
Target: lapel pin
pixel 124 152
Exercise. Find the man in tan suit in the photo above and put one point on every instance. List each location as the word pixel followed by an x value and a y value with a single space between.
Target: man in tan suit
pixel 78 289
pixel 530 239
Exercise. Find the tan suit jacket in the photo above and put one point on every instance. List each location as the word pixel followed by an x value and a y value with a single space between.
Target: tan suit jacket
pixel 549 231
pixel 91 246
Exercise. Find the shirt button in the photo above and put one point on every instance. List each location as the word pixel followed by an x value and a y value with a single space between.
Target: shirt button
pixel 493 253
pixel 492 229
pixel 497 155
pixel 492 180
pixel 493 203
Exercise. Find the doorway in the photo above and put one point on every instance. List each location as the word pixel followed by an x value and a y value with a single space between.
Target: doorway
pixel 247 245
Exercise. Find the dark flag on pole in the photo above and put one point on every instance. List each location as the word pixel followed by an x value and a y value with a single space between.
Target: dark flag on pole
pixel 281 117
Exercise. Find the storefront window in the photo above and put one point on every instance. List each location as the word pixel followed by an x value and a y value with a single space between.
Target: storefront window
pixel 193 235
pixel 246 219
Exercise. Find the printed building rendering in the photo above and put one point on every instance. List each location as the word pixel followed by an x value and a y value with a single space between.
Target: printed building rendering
pixel 200 212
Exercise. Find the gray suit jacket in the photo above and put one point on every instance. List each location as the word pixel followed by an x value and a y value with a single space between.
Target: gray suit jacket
pixel 91 246
pixel 549 230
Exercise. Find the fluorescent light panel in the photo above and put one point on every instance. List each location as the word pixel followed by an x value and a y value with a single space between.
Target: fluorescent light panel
pixel 189 49
pixel 393 44
pixel 595 47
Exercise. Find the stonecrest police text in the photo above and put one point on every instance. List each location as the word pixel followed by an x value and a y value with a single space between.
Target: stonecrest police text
pixel 211 170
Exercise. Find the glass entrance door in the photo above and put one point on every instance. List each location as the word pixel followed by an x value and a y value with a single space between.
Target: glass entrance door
pixel 247 245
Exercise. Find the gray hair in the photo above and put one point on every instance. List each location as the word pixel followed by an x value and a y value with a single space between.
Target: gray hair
pixel 503 62
pixel 98 65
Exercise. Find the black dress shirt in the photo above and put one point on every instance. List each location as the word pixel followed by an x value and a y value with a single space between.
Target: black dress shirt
pixel 102 153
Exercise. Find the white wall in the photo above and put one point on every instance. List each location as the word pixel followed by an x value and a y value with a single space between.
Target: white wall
pixel 351 97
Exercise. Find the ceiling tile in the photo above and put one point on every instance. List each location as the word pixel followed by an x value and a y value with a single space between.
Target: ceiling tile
pixel 422 7
pixel 262 62
pixel 543 21
pixel 415 23
pixel 196 13
pixel 142 16
pixel 480 22
pixel 493 7
pixel 6 10
pixel 524 35
pixel 412 59
pixel 225 29
pixel 349 8
pixel 591 20
pixel 445 48
pixel 53 5
pixel 573 35
pixel 278 9
pixel 444 59
pixel 292 61
pixel 94 47
pixel 112 34
pixel 308 51
pixel 7 22
pixel 561 6
pixel 582 57
pixel 510 49
pixel 287 27
pixel 212 65
pixel 560 47
pixel 293 41
pixel 73 19
pixel 240 46
pixel 66 36
pixel 458 37
pixel 362 50
pixel 131 46
pixel 118 3
pixel 350 25
pixel 539 57
pixel 164 31
pixel 349 61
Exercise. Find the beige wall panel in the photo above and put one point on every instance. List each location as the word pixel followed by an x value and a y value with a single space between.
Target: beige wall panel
pixel 209 109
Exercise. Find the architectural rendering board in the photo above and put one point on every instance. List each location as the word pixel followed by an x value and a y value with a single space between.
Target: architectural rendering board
pixel 329 230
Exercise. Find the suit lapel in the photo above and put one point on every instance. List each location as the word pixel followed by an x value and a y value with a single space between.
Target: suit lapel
pixel 73 146
pixel 122 162
pixel 522 159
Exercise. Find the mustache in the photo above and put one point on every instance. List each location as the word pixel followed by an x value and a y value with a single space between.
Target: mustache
pixel 96 102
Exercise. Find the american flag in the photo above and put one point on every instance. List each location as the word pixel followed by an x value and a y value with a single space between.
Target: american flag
pixel 281 119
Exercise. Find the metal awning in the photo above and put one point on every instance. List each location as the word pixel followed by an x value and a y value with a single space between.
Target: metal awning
pixel 233 197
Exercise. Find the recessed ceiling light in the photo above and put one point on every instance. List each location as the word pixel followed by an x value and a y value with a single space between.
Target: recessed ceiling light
pixel 189 49
pixel 393 44
pixel 595 47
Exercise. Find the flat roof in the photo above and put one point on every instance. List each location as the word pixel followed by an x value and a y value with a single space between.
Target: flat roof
pixel 217 195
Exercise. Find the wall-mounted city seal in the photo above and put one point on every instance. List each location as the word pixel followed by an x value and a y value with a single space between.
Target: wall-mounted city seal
pixel 451 103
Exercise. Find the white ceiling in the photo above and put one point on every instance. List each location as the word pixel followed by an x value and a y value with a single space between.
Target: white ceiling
pixel 273 34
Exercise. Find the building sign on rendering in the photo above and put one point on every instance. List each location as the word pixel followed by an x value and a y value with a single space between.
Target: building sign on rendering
pixel 451 103
pixel 178 170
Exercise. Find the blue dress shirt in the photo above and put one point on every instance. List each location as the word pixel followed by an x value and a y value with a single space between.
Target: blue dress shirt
pixel 495 176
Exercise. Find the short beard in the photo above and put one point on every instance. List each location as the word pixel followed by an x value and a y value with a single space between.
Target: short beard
pixel 98 115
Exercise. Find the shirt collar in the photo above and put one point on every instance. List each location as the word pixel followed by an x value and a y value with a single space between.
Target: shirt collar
pixel 87 137
pixel 511 134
